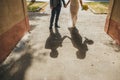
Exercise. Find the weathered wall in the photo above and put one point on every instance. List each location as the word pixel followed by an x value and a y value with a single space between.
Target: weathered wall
pixel 13 24
pixel 113 20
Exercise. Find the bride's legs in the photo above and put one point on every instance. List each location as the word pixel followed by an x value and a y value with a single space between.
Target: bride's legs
pixel 74 20
pixel 74 11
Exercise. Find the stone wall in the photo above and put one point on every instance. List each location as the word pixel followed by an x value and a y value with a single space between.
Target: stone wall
pixel 13 24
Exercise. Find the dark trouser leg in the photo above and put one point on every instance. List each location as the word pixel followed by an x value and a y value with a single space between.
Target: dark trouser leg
pixel 58 9
pixel 52 17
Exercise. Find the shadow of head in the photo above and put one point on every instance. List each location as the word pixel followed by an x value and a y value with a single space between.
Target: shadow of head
pixel 80 54
pixel 54 53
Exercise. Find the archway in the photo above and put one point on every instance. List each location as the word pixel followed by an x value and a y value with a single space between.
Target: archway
pixel 14 24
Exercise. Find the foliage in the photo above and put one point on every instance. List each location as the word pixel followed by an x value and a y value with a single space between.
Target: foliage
pixel 98 7
pixel 34 6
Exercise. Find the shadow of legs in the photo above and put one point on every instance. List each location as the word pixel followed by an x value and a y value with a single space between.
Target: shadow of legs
pixel 54 53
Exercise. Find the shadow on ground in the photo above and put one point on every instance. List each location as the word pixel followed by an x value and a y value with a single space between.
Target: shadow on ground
pixel 33 15
pixel 17 65
pixel 20 47
pixel 53 42
pixel 78 43
pixel 32 27
pixel 16 70
pixel 115 46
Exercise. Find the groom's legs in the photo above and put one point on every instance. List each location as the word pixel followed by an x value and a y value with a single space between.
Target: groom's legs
pixel 52 17
pixel 58 9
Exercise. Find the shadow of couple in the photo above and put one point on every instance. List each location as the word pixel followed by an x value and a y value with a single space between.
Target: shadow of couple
pixel 55 41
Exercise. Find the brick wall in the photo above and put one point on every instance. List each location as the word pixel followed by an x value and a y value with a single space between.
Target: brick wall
pixel 13 25
pixel 113 20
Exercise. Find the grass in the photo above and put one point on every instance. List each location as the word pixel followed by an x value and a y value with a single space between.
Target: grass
pixel 35 6
pixel 98 7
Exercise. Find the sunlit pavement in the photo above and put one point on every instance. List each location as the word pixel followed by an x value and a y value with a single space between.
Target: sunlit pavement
pixel 84 53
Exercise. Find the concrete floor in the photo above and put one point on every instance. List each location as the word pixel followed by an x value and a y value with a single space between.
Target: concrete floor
pixel 84 53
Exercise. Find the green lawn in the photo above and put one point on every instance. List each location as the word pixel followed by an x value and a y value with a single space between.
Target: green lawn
pixel 98 7
pixel 35 6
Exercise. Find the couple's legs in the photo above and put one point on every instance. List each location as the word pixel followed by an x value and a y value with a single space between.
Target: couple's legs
pixel 55 11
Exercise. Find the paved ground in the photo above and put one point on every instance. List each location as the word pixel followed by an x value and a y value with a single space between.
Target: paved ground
pixel 84 53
